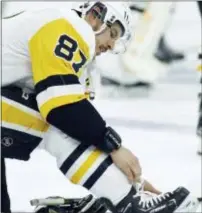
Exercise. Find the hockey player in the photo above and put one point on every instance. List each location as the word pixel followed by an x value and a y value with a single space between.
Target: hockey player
pixel 47 56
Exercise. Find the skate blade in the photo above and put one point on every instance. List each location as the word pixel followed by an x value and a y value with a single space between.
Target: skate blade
pixel 190 204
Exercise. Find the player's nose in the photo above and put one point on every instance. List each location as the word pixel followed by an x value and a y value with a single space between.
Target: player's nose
pixel 111 44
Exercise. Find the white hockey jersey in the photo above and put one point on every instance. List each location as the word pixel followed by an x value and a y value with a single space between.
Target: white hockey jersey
pixel 47 50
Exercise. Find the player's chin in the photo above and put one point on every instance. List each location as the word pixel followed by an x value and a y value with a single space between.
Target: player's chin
pixel 98 53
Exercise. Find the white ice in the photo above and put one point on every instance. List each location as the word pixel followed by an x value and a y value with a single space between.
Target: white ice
pixel 159 129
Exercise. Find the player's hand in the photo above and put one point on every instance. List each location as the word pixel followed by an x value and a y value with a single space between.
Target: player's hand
pixel 128 163
pixel 150 188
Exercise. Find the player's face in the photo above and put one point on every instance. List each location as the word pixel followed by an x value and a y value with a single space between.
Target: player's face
pixel 106 39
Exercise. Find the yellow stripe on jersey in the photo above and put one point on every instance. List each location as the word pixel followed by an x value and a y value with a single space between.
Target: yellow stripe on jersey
pixel 59 101
pixel 13 115
pixel 43 44
pixel 76 178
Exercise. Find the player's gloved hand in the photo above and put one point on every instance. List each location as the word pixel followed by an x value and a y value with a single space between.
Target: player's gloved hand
pixel 128 163
pixel 87 204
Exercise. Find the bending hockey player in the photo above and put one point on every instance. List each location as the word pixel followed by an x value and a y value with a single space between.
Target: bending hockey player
pixel 47 56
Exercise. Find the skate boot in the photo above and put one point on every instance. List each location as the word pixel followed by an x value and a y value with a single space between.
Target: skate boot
pixel 199 150
pixel 167 55
pixel 177 201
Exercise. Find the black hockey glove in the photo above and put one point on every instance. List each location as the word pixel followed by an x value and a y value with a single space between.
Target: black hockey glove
pixel 87 204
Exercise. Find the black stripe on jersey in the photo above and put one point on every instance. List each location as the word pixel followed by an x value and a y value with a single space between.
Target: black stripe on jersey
pixel 56 80
pixel 16 94
pixel 200 56
pixel 72 158
pixel 98 173
pixel 17 144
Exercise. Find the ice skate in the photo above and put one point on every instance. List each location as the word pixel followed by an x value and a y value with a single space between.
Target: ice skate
pixel 177 201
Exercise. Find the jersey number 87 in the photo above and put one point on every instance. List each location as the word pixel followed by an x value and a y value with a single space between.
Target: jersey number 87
pixel 66 51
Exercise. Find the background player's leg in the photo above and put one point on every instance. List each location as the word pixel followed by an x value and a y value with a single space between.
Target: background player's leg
pixel 200 7
pixel 5 200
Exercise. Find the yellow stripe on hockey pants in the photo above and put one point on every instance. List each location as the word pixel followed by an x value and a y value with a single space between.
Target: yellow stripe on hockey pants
pixel 13 115
pixel 78 175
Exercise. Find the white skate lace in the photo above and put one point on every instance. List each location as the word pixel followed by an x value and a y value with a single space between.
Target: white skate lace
pixel 149 200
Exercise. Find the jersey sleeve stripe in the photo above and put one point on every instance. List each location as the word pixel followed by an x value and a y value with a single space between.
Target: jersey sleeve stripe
pixel 59 91
pixel 59 101
pixel 56 80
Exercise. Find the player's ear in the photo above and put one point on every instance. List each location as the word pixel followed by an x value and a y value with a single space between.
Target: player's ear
pixel 93 21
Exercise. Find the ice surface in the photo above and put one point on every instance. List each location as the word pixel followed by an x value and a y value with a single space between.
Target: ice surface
pixel 160 129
